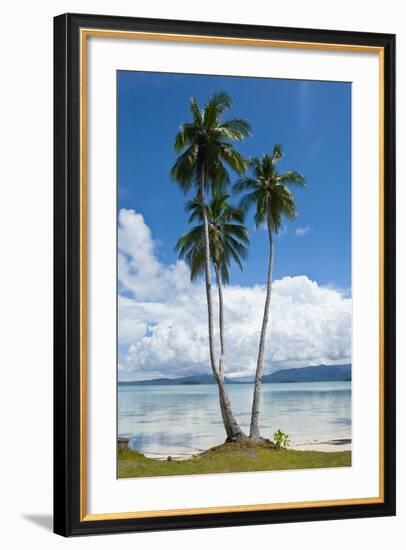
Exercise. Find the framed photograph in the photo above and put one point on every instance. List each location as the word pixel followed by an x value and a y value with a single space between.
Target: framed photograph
pixel 224 274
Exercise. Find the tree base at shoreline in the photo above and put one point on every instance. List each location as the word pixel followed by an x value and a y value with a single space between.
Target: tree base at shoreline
pixel 241 456
pixel 237 438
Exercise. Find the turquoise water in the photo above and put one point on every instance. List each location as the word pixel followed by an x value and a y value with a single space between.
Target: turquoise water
pixel 183 420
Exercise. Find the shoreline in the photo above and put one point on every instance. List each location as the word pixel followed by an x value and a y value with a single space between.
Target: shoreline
pixel 329 446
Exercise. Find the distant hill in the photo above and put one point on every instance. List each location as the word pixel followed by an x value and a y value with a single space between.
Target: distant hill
pixel 183 381
pixel 321 373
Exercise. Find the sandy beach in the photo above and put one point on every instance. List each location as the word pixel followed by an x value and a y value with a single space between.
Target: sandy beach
pixel 331 446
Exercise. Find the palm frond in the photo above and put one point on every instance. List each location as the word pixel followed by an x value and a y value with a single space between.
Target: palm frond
pixel 239 248
pixel 232 158
pixel 215 107
pixel 277 152
pixel 228 237
pixel 224 273
pixel 267 191
pixel 256 165
pixel 236 129
pixel 245 184
pixel 189 240
pixel 238 231
pixel 218 176
pixel 186 136
pixel 196 263
pixel 196 112
pixel 250 200
pixel 292 177
pixel 236 257
pixel 184 169
pixel 233 214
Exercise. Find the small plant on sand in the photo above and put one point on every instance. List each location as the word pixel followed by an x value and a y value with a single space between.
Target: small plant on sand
pixel 281 439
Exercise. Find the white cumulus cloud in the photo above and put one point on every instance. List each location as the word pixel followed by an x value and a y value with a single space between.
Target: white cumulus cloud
pixel 162 324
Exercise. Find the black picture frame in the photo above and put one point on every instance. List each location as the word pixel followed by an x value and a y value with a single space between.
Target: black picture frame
pixel 67 353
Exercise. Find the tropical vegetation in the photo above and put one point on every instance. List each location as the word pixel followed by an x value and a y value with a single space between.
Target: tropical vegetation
pixel 281 439
pixel 206 153
pixel 228 241
pixel 206 146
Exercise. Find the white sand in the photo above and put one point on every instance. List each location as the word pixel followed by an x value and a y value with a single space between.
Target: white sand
pixel 333 446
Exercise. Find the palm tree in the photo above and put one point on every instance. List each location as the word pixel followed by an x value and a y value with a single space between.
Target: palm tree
pixel 228 239
pixel 206 151
pixel 268 193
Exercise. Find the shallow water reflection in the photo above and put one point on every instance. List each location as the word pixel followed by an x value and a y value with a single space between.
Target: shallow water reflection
pixel 186 419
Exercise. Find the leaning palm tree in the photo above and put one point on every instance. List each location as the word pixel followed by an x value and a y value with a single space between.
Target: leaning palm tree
pixel 228 239
pixel 206 151
pixel 268 193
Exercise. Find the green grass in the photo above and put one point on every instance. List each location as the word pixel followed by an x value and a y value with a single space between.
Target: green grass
pixel 230 457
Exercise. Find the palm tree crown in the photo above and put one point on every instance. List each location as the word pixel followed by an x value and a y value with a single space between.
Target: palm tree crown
pixel 228 237
pixel 267 190
pixel 205 145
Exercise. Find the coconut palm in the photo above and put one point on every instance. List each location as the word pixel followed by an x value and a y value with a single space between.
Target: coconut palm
pixel 268 193
pixel 228 239
pixel 206 152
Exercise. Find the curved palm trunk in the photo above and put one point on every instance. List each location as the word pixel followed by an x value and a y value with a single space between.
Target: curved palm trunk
pixel 231 426
pixel 254 428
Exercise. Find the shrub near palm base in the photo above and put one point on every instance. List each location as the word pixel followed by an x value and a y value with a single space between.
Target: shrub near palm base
pixel 281 439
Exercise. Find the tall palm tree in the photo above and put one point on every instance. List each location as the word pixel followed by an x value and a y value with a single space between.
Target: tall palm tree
pixel 206 151
pixel 268 193
pixel 228 238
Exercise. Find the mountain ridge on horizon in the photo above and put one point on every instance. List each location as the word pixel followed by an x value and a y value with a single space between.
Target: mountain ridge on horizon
pixel 318 373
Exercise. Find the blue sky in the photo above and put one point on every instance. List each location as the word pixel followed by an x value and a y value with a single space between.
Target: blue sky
pixel 312 121
pixel 162 321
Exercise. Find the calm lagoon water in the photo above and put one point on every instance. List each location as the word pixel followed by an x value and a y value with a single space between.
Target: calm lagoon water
pixel 183 420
